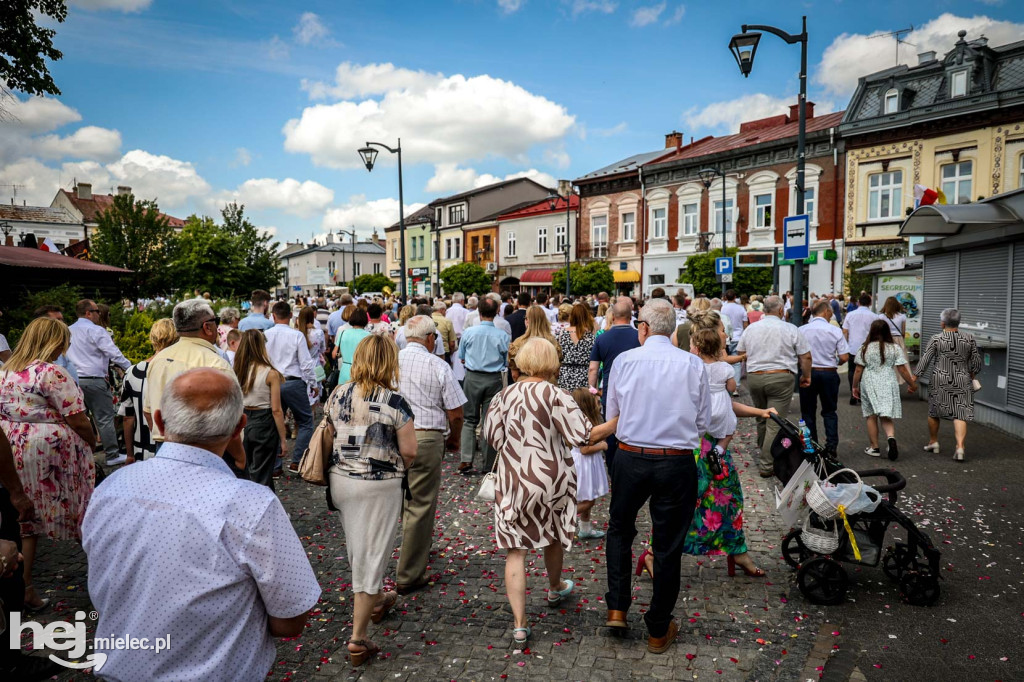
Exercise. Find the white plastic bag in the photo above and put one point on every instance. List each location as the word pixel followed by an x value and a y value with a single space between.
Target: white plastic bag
pixel 791 503
pixel 855 497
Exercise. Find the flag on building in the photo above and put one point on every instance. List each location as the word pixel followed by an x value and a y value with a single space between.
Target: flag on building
pixel 48 245
pixel 924 196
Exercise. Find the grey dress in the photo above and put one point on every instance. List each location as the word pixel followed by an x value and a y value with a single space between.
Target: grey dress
pixel 955 359
pixel 879 388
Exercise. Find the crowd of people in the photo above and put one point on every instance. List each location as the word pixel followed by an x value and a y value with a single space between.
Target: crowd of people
pixel 564 401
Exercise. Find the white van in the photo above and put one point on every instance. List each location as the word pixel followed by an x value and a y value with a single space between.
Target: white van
pixel 670 290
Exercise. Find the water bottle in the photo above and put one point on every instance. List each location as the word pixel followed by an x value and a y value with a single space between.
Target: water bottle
pixel 805 436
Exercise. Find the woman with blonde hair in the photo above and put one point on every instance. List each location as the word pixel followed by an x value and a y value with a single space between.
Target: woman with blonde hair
pixel 562 322
pixel 681 336
pixel 374 443
pixel 537 327
pixel 264 434
pixel 602 311
pixel 576 341
pixel 533 425
pixel 42 412
pixel 137 438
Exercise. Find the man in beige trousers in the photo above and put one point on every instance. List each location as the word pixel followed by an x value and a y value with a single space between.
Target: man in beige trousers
pixel 428 384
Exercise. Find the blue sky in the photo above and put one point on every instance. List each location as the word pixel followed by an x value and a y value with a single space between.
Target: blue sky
pixel 195 103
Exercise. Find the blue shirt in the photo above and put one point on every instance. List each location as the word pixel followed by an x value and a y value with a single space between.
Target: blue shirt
pixel 334 322
pixel 255 321
pixel 484 348
pixel 63 361
pixel 609 345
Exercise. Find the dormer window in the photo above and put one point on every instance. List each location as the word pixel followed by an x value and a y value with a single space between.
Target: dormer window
pixel 958 84
pixel 892 101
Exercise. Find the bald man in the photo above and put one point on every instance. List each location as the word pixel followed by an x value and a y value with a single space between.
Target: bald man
pixel 182 551
pixel 620 337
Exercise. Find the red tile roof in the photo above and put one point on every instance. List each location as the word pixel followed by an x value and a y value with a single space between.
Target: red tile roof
pixel 91 208
pixel 777 128
pixel 21 257
pixel 541 207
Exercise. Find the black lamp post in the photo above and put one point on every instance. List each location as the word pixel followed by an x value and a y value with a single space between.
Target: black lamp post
pixel 743 46
pixel 353 234
pixel 369 156
pixel 707 176
pixel 553 203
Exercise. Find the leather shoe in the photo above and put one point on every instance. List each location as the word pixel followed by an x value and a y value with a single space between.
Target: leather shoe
pixel 767 474
pixel 616 619
pixel 412 587
pixel 659 645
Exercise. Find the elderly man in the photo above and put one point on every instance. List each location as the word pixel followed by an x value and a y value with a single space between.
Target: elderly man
pixel 483 350
pixel 257 317
pixel 92 350
pixel 289 354
pixel 179 548
pixel 446 328
pixel 428 384
pixel 473 319
pixel 655 463
pixel 775 351
pixel 457 313
pixel 855 329
pixel 334 322
pixel 828 349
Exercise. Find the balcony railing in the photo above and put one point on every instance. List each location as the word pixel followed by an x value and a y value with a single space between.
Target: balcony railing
pixel 594 252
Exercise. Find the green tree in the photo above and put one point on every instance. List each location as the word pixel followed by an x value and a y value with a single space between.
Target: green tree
pixel 374 282
pixel 207 258
pixel 468 278
pixel 700 272
pixel 25 45
pixel 134 235
pixel 857 282
pixel 592 278
pixel 261 267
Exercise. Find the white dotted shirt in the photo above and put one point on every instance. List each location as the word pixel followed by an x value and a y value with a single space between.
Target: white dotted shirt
pixel 178 546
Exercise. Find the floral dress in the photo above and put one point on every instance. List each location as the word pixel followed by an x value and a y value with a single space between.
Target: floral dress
pixel 717 526
pixel 575 359
pixel 55 465
pixel 879 389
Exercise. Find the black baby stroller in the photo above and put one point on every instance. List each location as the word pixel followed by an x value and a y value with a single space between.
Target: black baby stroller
pixel 913 564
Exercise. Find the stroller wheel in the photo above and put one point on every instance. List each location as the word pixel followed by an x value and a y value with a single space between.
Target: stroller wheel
pixel 919 589
pixel 793 550
pixel 823 581
pixel 894 560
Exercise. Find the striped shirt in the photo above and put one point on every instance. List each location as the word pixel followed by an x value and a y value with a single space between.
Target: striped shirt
pixel 428 384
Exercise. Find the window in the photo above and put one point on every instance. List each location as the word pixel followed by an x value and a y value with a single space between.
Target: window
pixel 376 268
pixel 659 222
pixel 330 267
pixel 762 211
pixel 437 248
pixel 437 216
pixel 358 269
pixel 958 84
pixel 542 240
pixel 487 247
pixel 474 246
pixel 457 214
pixel 559 238
pixel 423 247
pixel 718 214
pixel 809 204
pixel 690 226
pixel 885 195
pixel 510 239
pixel 892 102
pixel 458 248
pixel 656 279
pixel 599 230
pixel 394 248
pixel 956 182
pixel 629 227
pixel 448 249
pixel 1020 174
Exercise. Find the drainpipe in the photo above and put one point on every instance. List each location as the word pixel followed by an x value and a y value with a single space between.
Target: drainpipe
pixel 835 200
pixel 643 235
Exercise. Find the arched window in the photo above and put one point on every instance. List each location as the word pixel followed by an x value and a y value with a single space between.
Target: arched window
pixel 892 101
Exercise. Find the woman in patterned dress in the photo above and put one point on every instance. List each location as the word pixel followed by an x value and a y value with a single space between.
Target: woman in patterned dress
pixel 950 390
pixel 533 425
pixel 43 414
pixel 537 327
pixel 576 342
pixel 875 385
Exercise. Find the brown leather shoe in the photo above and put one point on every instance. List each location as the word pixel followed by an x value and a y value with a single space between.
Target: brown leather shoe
pixel 412 587
pixel 659 645
pixel 617 619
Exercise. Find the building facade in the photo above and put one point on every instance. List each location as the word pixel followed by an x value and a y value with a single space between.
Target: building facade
pixel 313 269
pixel 532 244
pixel 42 222
pixel 85 206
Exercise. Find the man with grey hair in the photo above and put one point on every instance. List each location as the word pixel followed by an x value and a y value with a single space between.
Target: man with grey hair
pixel 239 573
pixel 428 384
pixel 775 351
pixel 654 463
pixel 473 318
pixel 334 321
pixel 457 313
pixel 446 329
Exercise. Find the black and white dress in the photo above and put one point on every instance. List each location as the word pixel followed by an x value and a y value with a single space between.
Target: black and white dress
pixel 955 359
pixel 131 406
pixel 575 359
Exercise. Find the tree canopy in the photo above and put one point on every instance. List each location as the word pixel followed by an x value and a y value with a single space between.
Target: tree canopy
pixel 700 272
pixel 468 278
pixel 25 45
pixel 372 282
pixel 261 267
pixel 135 235
pixel 592 278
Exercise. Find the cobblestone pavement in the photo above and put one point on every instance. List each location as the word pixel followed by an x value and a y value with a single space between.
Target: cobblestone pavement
pixel 460 627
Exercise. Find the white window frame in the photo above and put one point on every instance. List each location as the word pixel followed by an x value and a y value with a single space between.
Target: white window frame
pixel 760 222
pixel 458 248
pixel 560 238
pixel 659 225
pixel 811 175
pixel 358 269
pixel 689 222
pixel 716 209
pixel 452 209
pixel 962 77
pixel 394 249
pixel 891 96
pixel 376 268
pixel 690 218
pixel 628 227
pixel 599 230
pixel 1020 171
pixel 510 244
pixel 958 178
pixel 891 187
pixel 542 241
pixel 448 249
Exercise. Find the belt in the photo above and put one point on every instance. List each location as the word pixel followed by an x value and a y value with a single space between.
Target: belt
pixel 473 371
pixel 653 451
pixel 432 430
pixel 771 371
pixel 92 377
pixel 293 379
pixel 825 369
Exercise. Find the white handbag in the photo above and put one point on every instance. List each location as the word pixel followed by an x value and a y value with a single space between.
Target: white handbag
pixel 485 493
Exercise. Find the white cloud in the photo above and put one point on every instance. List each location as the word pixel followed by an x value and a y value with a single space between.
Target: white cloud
pixel 851 56
pixel 277 49
pixel 579 7
pixel 20 132
pixel 510 6
pixel 617 129
pixel 449 178
pixel 243 157
pixel 557 157
pixel 645 16
pixel 310 30
pixel 88 142
pixel 725 117
pixel 365 215
pixel 304 199
pixel 677 16
pixel 441 118
pixel 37 114
pixel 122 5
pixel 154 176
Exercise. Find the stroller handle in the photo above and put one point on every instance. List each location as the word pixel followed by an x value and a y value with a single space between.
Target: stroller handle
pixel 894 481
pixel 784 424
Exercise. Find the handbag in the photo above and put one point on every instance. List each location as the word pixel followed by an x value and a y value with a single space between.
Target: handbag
pixel 485 493
pixel 976 385
pixel 314 462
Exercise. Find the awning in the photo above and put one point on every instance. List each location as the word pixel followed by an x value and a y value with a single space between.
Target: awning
pixel 540 276
pixel 940 220
pixel 621 276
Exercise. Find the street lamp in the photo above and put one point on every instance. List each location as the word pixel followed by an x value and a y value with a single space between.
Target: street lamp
pixel 553 204
pixel 707 176
pixel 743 46
pixel 369 155
pixel 353 234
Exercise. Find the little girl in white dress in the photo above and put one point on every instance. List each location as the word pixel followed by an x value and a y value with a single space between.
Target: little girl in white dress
pixel 591 475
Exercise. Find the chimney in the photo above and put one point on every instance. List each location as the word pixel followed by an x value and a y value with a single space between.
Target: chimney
pixel 564 188
pixel 123 189
pixel 673 140
pixel 330 238
pixel 9 240
pixel 794 111
pixel 83 190
pixel 926 57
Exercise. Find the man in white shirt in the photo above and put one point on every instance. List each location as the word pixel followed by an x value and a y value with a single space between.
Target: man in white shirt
pixel 551 313
pixel 828 349
pixel 179 549
pixel 679 307
pixel 289 354
pixel 654 463
pixel 855 329
pixel 92 350
pixel 473 318
pixel 737 315
pixel 775 351
pixel 428 384
pixel 457 313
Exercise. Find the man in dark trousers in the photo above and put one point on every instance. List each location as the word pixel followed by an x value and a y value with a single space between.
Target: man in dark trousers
pixel 620 337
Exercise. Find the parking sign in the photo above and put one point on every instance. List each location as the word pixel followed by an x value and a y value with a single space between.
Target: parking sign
pixel 723 266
